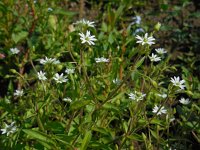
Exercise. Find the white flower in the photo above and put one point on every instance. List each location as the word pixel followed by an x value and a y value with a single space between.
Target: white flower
pixel 161 111
pixel 69 71
pixel 116 81
pixel 138 30
pixel 41 75
pixel 14 50
pixel 161 51
pixel 184 101
pixel 177 82
pixel 50 9
pixel 85 22
pixel 145 40
pixel 154 57
pixel 87 38
pixel 171 119
pixel 60 78
pixel 101 59
pixel 9 129
pixel 67 99
pixel 18 93
pixel 49 61
pixel 138 96
pixel 137 20
pixel 162 95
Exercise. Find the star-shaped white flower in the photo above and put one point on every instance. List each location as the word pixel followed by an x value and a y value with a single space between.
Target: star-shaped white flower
pixel 184 101
pixel 67 99
pixel 69 70
pixel 138 96
pixel 87 38
pixel 49 61
pixel 161 51
pixel 116 81
pixel 85 22
pixel 9 129
pixel 60 78
pixel 14 51
pixel 18 93
pixel 41 75
pixel 101 59
pixel 177 82
pixel 154 58
pixel 145 40
pixel 159 112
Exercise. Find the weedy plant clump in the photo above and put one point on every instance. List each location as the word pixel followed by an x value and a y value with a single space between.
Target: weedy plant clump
pixel 90 84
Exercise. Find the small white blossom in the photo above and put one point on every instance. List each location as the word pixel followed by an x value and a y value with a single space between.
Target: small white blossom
pixel 161 111
pixel 171 119
pixel 18 93
pixel 162 95
pixel 41 75
pixel 145 40
pixel 138 96
pixel 60 78
pixel 69 71
pixel 85 22
pixel 14 50
pixel 67 99
pixel 177 82
pixel 184 101
pixel 154 58
pixel 161 51
pixel 116 81
pixel 137 20
pixel 101 59
pixel 87 38
pixel 49 61
pixel 9 129
pixel 138 30
pixel 50 9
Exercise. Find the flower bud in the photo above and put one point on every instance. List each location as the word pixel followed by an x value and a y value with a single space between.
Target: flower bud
pixel 157 26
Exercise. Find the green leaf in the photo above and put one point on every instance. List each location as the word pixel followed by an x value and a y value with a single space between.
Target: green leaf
pixel 79 104
pixel 154 134
pixel 64 12
pixel 139 63
pixel 16 37
pixel 136 137
pixel 42 137
pixel 111 106
pixel 86 140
